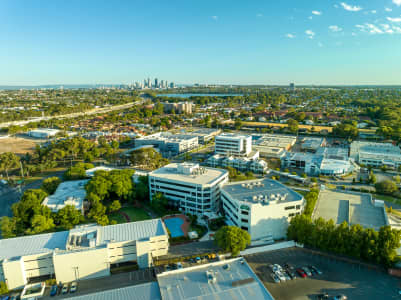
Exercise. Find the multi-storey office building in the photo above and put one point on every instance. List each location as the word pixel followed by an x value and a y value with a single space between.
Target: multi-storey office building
pixel 232 144
pixel 189 187
pixel 84 252
pixel 262 207
pixel 242 164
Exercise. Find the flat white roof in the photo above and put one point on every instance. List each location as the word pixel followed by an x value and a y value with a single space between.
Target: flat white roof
pixel 48 242
pixel 170 172
pixel 230 279
pixel 232 136
pixel 68 192
pixel 91 172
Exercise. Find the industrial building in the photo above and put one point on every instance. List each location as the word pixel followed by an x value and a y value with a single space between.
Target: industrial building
pixel 233 145
pixel 189 187
pixel 326 161
pixel 85 252
pixel 228 279
pixel 43 133
pixel 67 193
pixel 243 164
pixel 312 144
pixel 272 145
pixel 204 135
pixel 169 144
pixel 376 154
pixel 262 207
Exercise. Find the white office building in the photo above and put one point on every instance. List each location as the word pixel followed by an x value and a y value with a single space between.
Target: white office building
pixel 376 154
pixel 85 252
pixel 262 207
pixel 168 143
pixel 67 193
pixel 232 144
pixel 189 187
pixel 243 164
pixel 272 145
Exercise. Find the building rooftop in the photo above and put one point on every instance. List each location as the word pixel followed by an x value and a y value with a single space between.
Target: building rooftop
pixel 312 143
pixel 379 148
pixel 91 172
pixel 45 243
pixel 263 191
pixel 230 136
pixel 188 172
pixel 231 279
pixel 167 137
pixel 67 193
pixel 146 291
pixel 333 153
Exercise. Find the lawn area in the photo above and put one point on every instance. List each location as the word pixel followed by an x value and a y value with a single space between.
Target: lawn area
pixel 387 198
pixel 135 214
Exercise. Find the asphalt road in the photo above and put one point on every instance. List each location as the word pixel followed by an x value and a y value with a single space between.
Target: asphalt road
pixel 338 277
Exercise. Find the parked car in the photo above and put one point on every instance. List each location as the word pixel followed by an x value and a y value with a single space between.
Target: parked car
pixel 73 287
pixel 280 276
pixel 339 297
pixel 64 290
pixel 307 271
pixel 53 290
pixel 275 278
pixel 301 273
pixel 290 271
pixel 179 265
pixel 315 270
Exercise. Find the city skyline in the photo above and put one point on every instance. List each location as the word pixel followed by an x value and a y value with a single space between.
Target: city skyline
pixel 97 42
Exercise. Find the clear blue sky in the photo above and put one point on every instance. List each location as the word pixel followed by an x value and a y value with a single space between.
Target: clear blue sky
pixel 219 41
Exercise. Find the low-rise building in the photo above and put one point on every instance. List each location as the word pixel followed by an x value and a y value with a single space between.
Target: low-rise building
pixel 262 207
pixel 233 144
pixel 85 252
pixel 204 135
pixel 272 145
pixel 312 144
pixel 67 193
pixel 43 133
pixel 190 187
pixel 243 164
pixel 168 143
pixel 229 279
pixel 376 154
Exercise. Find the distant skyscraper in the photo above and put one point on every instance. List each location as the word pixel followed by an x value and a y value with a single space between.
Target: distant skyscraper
pixel 292 86
pixel 171 85
pixel 156 83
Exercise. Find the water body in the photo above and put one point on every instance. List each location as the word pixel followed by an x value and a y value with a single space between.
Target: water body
pixel 185 96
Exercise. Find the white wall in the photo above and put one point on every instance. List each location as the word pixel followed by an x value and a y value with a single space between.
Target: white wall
pixel 14 273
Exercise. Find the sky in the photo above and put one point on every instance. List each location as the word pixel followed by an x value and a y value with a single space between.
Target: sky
pixel 220 41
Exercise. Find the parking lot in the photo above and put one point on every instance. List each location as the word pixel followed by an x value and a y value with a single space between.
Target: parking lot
pixel 338 277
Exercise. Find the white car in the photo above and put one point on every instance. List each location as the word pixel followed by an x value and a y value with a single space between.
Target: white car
pixel 280 276
pixel 64 290
pixel 73 287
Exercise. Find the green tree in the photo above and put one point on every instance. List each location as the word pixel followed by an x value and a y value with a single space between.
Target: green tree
pixel 142 189
pixel 68 217
pixel 3 288
pixel 293 125
pixel 387 187
pixel 114 206
pixel 50 184
pixel 238 124
pixel 40 223
pixel 8 227
pixel 8 161
pixel 232 239
pixel 159 203
pixel 78 171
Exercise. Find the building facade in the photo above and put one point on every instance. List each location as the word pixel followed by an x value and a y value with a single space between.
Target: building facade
pixel 232 144
pixel 85 252
pixel 189 187
pixel 376 154
pixel 262 207
pixel 242 164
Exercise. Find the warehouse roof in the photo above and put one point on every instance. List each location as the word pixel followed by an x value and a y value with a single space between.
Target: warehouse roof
pixel 231 279
pixel 32 244
pixel 263 191
pixel 45 243
pixel 146 291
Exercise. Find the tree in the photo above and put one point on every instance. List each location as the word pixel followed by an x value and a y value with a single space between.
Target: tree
pixel 238 124
pixel 8 227
pixel 147 158
pixel 68 217
pixel 50 184
pixel 159 202
pixel 114 206
pixel 387 187
pixel 372 177
pixel 78 171
pixel 293 125
pixel 346 130
pixel 8 160
pixel 232 239
pixel 40 223
pixel 3 288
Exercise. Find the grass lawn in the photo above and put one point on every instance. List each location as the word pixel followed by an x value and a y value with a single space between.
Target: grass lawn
pixel 135 214
pixel 387 198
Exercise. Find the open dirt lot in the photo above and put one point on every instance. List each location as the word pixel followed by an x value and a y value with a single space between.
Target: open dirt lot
pixel 17 145
pixel 354 281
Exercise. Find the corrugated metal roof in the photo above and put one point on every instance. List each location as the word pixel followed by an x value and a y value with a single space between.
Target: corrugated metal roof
pixel 146 291
pixel 33 244
pixel 134 231
pixel 192 283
